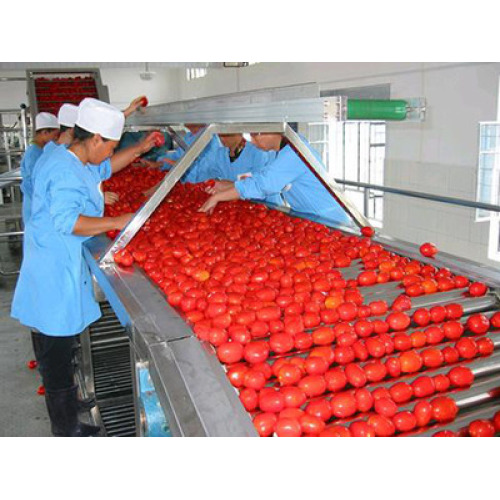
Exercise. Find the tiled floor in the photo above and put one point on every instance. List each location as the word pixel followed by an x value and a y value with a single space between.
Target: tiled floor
pixel 22 410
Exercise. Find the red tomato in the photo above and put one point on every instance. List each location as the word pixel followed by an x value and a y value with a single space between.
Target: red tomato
pixel 265 423
pixel 344 355
pixel 477 289
pixel 454 311
pixel 428 250
pixel 336 431
pixel 496 421
pixel 423 413
pixel 364 400
pixel 272 402
pixel 401 392
pixel 249 398
pixel 451 355
pixel 402 342
pixel 385 407
pixel 236 374
pixel 481 428
pixel 432 357
pixel 378 307
pixel 313 385
pixel 347 311
pixel 363 328
pixel 438 314
pixel 445 433
pixel 323 336
pixel 355 375
pixel 343 405
pixel 467 348
pixel 360 351
pixel 421 317
pixel 444 409
pixel 254 379
pixel 495 320
pixel 294 325
pixel 281 343
pixel 382 426
pixel 240 334
pixel 324 352
pixel 259 329
pixel 288 427
pixel 404 421
pixel 461 376
pixel 41 390
pixel 368 231
pixel 316 365
pixel 375 347
pixel 485 346
pixel 411 362
pixel 289 374
pixel 311 425
pixel 423 386
pixel 361 429
pixel 320 409
pixel 375 371
pixel 478 323
pixel 442 383
pixel 303 341
pixel 256 352
pixel 453 330
pixel 32 364
pixel 294 396
pixel 393 366
pixel 398 321
pixel 380 326
pixel 230 352
pixel 291 413
pixel 367 278
pixel 335 379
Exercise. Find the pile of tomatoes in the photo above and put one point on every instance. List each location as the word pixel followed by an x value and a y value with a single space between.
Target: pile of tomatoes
pixel 300 343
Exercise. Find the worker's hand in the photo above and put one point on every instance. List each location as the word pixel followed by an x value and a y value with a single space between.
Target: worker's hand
pixel 110 198
pixel 168 161
pixel 209 206
pixel 122 220
pixel 147 143
pixel 219 186
pixel 134 105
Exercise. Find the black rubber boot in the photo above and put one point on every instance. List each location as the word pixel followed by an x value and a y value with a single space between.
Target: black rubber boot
pixel 85 404
pixel 63 412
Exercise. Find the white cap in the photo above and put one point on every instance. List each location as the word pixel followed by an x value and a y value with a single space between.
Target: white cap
pixel 100 118
pixel 46 120
pixel 67 115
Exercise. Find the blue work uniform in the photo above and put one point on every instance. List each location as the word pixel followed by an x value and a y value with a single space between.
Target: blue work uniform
pixel 27 164
pixel 54 292
pixel 189 138
pixel 218 164
pixel 289 176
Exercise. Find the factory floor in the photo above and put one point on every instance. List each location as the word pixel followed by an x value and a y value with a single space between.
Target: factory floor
pixel 22 410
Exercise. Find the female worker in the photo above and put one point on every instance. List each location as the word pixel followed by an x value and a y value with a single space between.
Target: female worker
pixel 236 159
pixel 46 130
pixel 54 291
pixel 286 175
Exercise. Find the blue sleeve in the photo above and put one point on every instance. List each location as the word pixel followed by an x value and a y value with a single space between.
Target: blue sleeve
pixel 105 170
pixel 30 157
pixel 67 201
pixel 271 180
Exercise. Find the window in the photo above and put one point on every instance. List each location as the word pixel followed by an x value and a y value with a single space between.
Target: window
pixel 193 73
pixel 354 151
pixel 488 180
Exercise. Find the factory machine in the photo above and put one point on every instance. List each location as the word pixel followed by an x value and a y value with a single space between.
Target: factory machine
pixel 150 374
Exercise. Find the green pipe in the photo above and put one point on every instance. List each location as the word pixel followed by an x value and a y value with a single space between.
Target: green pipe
pixel 376 109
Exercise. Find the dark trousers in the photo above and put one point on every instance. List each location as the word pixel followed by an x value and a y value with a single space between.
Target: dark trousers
pixel 55 360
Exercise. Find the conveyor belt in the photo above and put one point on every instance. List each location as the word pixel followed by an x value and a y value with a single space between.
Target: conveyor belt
pixel 112 370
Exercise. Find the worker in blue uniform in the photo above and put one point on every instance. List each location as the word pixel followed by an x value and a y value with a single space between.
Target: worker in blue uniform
pixel 234 160
pixel 46 130
pixel 288 176
pixel 194 131
pixel 54 292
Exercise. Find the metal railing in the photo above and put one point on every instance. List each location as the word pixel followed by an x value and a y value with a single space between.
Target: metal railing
pixel 417 194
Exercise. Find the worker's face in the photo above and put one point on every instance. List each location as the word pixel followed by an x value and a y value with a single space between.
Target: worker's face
pixel 100 150
pixel 50 135
pixel 267 142
pixel 194 128
pixel 230 140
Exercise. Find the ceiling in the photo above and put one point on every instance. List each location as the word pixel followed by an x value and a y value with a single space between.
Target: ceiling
pixel 139 65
